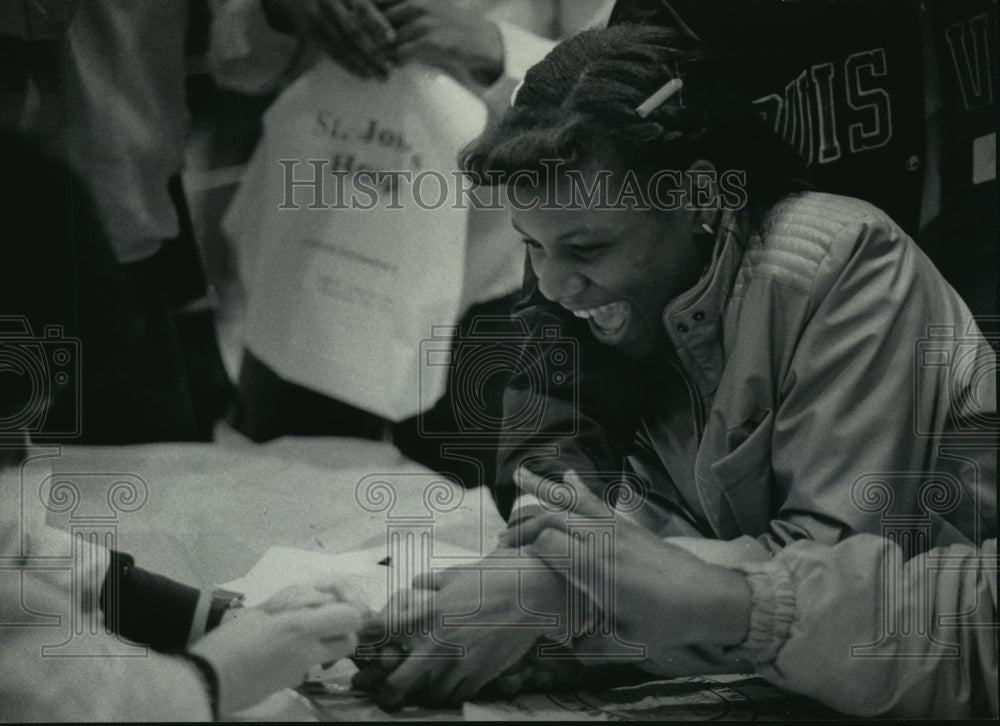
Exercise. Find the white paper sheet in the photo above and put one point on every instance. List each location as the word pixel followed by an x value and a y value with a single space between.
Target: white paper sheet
pixel 358 575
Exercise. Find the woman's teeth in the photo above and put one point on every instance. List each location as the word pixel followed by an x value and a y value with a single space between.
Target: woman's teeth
pixel 608 318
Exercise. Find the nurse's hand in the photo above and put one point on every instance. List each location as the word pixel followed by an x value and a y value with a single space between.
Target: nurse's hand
pixel 441 33
pixel 445 662
pixel 259 650
pixel 352 32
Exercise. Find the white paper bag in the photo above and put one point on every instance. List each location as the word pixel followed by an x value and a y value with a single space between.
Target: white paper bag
pixel 339 299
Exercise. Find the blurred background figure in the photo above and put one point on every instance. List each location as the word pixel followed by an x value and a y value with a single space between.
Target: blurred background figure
pixel 69 298
pixel 892 102
pixel 101 86
pixel 259 46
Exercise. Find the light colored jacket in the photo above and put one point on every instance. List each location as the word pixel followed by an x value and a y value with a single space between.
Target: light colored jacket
pixel 48 587
pixel 830 383
pixel 856 627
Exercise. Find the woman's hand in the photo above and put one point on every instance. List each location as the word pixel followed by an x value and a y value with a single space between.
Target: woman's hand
pixel 662 596
pixel 506 608
pixel 440 33
pixel 259 650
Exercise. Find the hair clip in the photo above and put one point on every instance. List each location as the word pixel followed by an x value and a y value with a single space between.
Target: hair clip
pixel 513 95
pixel 660 97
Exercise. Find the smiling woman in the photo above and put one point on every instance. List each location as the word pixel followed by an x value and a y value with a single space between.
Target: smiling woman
pixel 745 375
pixel 652 147
pixel 616 268
pixel 725 347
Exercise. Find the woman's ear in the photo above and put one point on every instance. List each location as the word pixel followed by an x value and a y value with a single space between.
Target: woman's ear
pixel 701 186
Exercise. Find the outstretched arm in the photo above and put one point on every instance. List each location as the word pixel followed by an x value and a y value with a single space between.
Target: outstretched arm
pixel 852 625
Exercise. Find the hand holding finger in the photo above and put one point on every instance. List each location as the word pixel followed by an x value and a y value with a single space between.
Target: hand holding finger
pixel 566 492
pixel 433 579
pixel 526 531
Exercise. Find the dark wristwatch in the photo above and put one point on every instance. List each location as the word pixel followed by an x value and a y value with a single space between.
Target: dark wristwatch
pixel 222 600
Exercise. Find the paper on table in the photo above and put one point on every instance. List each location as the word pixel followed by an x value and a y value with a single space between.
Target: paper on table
pixel 358 575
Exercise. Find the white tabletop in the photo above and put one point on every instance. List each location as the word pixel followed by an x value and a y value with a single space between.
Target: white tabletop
pixel 205 513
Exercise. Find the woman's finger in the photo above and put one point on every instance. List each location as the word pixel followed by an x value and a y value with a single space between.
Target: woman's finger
pixel 433 580
pixel 336 648
pixel 423 581
pixel 401 12
pixel 511 683
pixel 588 503
pixel 542 679
pixel 528 481
pixel 570 493
pixel 413 676
pixel 525 531
pixel 410 37
pixel 373 628
pixel 562 493
pixel 552 546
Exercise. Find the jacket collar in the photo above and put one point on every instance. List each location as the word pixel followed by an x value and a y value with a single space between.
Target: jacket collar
pixel 693 320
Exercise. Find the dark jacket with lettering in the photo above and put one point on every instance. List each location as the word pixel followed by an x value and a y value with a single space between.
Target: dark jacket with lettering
pixel 846 83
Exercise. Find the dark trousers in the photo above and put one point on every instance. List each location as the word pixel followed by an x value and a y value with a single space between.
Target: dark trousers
pixel 164 378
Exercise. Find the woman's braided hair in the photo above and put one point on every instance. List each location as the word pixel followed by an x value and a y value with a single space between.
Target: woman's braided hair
pixel 578 105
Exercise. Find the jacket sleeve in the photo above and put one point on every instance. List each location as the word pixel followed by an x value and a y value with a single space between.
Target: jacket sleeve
pixel 870 423
pixel 146 607
pixel 143 606
pixel 101 684
pixel 868 634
